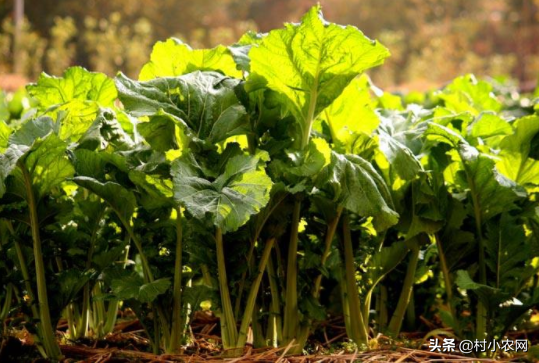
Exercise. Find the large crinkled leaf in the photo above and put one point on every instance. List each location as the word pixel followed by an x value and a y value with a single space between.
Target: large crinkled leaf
pixel 466 93
pixel 203 102
pixel 354 184
pixel 48 164
pixel 76 84
pixel 159 132
pixel 73 99
pixel 299 170
pixel 400 157
pixel 156 191
pixel 308 162
pixel 308 65
pixel 239 192
pixel 491 191
pixel 440 133
pixel 490 127
pixel 240 50
pixel 133 287
pixel 19 143
pixel 88 163
pixel 519 157
pixel 42 153
pixel 32 130
pixel 105 131
pixel 120 199
pixel 351 114
pixel 174 58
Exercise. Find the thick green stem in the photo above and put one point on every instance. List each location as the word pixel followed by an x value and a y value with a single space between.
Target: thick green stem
pixel 49 339
pixel 396 320
pixel 332 228
pixel 156 333
pixel 291 319
pixel 206 275
pixel 26 277
pixel 358 329
pixel 112 309
pixel 71 320
pixel 228 321
pixel 345 302
pixel 275 319
pixel 410 312
pixel 249 307
pixel 366 307
pixel 250 254
pixel 148 277
pixel 7 302
pixel 82 330
pixel 241 285
pixel 448 284
pixel 481 318
pixel 382 308
pixel 177 327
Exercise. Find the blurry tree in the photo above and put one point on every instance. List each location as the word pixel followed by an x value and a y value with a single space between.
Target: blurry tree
pixel 30 50
pixel 61 50
pixel 431 41
pixel 111 45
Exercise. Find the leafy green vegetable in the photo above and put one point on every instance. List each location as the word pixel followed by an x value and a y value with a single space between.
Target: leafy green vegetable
pixel 239 192
pixel 308 65
pixel 174 58
pixel 203 103
pixel 133 287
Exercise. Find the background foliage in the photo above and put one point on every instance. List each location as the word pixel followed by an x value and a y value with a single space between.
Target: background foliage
pixel 431 41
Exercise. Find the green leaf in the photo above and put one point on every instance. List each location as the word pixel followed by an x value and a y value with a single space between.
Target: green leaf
pixel 308 65
pixel 174 58
pixel 76 84
pixel 239 192
pixel 519 161
pixel 383 262
pixel 70 283
pixel 156 191
pixel 133 287
pixel 42 153
pixel 120 199
pixel 88 163
pixel 311 307
pixel 159 132
pixel 440 133
pixel 48 164
pixel 32 130
pixel 105 131
pixel 352 113
pixel 492 192
pixel 466 93
pixel 489 125
pixel 308 162
pixel 507 253
pixel 399 156
pixel 354 184
pixel 204 104
pixel 5 132
pixel 489 296
pixel 73 99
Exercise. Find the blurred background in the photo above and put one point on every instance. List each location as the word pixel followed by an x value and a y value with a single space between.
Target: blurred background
pixel 431 41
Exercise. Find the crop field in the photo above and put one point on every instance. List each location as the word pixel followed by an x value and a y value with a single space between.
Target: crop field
pixel 265 201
